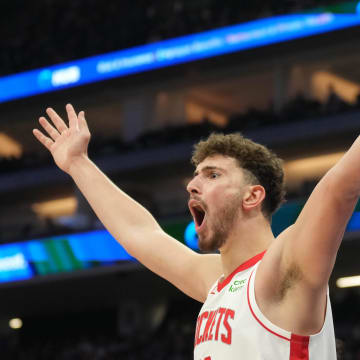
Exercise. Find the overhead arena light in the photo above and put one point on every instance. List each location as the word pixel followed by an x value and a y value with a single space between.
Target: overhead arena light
pixel 313 167
pixel 349 281
pixel 9 147
pixel 55 208
pixel 16 323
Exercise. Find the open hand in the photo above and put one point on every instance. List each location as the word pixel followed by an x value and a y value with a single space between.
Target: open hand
pixel 66 143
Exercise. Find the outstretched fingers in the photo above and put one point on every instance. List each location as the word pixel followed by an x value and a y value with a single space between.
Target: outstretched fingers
pixel 57 120
pixel 82 120
pixel 46 141
pixel 73 119
pixel 54 134
pixel 55 129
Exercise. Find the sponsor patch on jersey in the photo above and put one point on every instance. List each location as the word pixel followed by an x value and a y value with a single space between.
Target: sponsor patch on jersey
pixel 237 285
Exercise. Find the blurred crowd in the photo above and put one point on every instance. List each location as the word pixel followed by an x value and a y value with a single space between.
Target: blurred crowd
pixel 172 340
pixel 44 32
pixel 298 109
pixel 347 325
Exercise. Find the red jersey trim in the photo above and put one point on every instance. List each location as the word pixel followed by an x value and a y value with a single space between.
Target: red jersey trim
pixel 299 347
pixel 299 344
pixel 257 319
pixel 247 264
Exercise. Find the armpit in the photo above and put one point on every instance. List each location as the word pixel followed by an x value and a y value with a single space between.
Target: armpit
pixel 292 276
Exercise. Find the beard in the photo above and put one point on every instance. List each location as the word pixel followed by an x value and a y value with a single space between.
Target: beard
pixel 221 225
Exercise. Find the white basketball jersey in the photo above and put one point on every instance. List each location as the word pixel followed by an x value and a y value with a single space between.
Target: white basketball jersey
pixel 231 326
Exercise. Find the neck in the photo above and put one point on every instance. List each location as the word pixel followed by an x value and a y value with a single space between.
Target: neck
pixel 250 237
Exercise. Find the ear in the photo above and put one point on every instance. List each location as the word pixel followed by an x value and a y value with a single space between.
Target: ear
pixel 253 197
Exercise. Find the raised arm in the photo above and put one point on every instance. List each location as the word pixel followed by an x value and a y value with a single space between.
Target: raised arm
pixel 130 223
pixel 292 281
pixel 315 237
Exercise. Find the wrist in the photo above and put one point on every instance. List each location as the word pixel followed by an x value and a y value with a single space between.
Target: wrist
pixel 77 164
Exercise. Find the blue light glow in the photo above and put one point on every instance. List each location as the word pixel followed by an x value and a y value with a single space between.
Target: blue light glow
pixel 97 246
pixel 21 261
pixel 170 52
pixel 354 223
pixel 190 236
pixel 13 264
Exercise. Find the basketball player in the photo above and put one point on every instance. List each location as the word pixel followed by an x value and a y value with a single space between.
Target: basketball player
pixel 264 298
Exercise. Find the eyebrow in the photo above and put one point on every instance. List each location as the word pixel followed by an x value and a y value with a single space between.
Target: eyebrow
pixel 207 168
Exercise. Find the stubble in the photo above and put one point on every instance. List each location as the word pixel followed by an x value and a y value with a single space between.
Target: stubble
pixel 220 225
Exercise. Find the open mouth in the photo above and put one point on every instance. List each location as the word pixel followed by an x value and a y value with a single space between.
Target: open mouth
pixel 198 214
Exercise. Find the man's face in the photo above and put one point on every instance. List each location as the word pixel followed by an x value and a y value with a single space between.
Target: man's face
pixel 216 192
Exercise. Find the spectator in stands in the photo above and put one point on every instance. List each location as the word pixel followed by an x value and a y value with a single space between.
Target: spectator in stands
pixel 334 103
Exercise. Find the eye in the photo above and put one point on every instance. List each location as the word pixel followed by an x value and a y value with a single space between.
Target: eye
pixel 214 175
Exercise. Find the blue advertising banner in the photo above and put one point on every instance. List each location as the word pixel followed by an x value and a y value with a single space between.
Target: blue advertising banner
pixel 170 52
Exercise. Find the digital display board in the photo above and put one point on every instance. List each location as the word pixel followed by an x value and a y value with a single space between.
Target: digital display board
pixel 72 252
pixel 68 252
pixel 171 52
pixel 20 261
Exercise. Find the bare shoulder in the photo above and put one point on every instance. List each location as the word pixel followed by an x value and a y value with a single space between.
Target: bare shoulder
pixel 210 268
pixel 282 295
pixel 269 276
pixel 197 275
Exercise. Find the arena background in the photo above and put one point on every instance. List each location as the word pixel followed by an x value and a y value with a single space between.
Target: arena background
pixel 300 97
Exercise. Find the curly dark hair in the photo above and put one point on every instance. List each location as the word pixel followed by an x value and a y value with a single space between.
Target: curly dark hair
pixel 261 165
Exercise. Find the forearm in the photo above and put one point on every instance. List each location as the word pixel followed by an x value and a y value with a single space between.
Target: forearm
pixel 130 223
pixel 344 177
pixel 125 219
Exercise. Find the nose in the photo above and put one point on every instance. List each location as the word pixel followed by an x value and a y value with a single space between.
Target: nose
pixel 193 187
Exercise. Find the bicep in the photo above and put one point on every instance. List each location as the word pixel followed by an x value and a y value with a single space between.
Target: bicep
pixel 189 271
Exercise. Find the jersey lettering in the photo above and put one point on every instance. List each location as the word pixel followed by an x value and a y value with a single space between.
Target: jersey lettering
pixel 222 312
pixel 221 317
pixel 212 325
pixel 227 339
pixel 230 326
pixel 199 339
pixel 208 323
